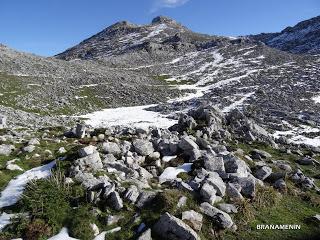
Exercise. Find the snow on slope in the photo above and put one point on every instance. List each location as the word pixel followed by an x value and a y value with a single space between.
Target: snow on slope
pixel 136 116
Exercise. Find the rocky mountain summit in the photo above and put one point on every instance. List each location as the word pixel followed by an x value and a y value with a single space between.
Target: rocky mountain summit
pixel 302 38
pixel 157 132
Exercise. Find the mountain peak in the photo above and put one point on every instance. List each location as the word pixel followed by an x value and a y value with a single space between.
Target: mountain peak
pixel 163 19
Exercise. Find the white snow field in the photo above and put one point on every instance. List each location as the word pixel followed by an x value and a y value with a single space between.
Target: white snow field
pixel 136 116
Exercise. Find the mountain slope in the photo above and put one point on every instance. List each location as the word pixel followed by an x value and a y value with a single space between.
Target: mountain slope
pixel 302 38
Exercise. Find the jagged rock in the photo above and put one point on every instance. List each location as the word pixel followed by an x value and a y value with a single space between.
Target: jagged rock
pixel 216 181
pixel 248 186
pixel 228 208
pixel 222 219
pixel 115 201
pixel 145 198
pixel 146 235
pixel 111 148
pixel 233 191
pixel 208 193
pixel 143 147
pixel 29 148
pixel 187 144
pixel 132 194
pixel 172 228
pixel 86 151
pixel 89 163
pixel 235 166
pixel 263 172
pixel 6 150
pixel 193 219
pixel 213 163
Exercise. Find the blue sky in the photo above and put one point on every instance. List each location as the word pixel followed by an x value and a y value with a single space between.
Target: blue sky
pixel 46 27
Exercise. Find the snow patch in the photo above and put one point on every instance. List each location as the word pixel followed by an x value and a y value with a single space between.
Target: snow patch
pixel 237 103
pixel 171 173
pixel 136 116
pixel 12 193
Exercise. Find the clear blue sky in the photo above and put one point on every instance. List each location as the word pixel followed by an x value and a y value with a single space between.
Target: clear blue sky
pixel 47 27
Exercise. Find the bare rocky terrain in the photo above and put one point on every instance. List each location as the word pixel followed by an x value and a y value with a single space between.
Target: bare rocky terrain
pixel 157 132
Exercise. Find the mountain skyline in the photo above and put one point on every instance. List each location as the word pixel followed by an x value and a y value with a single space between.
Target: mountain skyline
pixel 53 28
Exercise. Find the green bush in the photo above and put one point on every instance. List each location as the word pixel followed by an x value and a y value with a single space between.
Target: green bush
pixel 48 200
pixel 79 223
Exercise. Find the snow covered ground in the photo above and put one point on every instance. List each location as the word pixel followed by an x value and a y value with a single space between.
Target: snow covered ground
pixel 136 116
pixel 5 219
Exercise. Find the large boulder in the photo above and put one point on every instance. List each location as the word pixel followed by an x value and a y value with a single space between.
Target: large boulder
pixel 172 228
pixel 115 201
pixel 222 219
pixel 143 147
pixel 89 163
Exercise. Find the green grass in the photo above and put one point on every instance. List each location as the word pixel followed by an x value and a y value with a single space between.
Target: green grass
pixel 289 210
